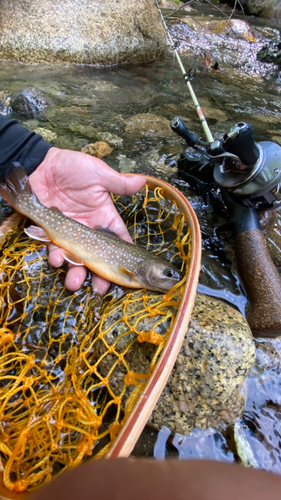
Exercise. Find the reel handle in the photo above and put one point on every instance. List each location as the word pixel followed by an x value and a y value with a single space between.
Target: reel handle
pixel 261 281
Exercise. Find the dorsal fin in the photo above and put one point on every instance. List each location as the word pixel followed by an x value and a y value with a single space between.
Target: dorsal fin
pixel 56 209
pixel 107 232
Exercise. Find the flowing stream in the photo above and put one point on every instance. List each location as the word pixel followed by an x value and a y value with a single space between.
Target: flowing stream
pixel 85 104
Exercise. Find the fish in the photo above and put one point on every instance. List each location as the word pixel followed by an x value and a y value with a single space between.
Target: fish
pixel 99 249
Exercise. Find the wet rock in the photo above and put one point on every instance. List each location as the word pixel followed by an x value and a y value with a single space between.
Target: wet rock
pixel 271 52
pixel 126 165
pixel 28 103
pixel 84 130
pixel 260 431
pixel 48 135
pixel 145 124
pixel 227 42
pixel 81 31
pixel 270 9
pixel 4 102
pixel 231 27
pixel 213 113
pixel 100 149
pixel 112 139
pixel 104 86
pixel 217 355
pixel 170 4
pixel 204 388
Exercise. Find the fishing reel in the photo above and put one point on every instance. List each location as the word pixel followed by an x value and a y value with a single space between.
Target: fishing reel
pixel 237 164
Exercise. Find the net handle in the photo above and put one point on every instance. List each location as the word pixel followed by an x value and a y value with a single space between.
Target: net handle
pixel 127 438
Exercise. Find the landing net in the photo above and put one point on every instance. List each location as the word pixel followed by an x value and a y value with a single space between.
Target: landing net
pixel 71 365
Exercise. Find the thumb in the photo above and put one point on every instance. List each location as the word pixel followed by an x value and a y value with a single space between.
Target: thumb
pixel 114 182
pixel 122 184
pixel 132 183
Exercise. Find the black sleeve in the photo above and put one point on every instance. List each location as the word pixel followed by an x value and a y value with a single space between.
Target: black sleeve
pixel 19 144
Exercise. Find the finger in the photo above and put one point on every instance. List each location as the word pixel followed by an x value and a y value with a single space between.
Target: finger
pixel 131 184
pixel 117 183
pixel 100 285
pixel 75 277
pixel 118 226
pixel 56 256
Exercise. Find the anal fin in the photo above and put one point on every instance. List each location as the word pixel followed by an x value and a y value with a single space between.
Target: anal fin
pixel 73 259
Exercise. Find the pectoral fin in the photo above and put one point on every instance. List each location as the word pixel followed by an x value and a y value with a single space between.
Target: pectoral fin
pixel 130 274
pixel 37 233
pixel 73 259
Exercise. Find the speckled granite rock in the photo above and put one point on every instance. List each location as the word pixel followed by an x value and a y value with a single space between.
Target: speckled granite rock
pixel 204 388
pixel 217 355
pixel 81 31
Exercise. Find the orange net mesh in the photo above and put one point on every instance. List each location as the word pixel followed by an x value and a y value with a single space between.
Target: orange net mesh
pixel 72 365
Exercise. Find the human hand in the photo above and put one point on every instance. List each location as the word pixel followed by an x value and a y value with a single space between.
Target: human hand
pixel 80 185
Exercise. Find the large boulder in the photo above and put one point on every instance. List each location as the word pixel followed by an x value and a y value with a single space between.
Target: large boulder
pixel 81 31
pixel 270 9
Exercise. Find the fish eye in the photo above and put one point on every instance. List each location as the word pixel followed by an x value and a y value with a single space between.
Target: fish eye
pixel 170 273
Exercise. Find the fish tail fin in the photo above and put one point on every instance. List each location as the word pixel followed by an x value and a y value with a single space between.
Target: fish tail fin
pixel 16 184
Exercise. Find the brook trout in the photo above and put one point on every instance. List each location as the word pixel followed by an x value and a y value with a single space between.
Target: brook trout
pixel 100 250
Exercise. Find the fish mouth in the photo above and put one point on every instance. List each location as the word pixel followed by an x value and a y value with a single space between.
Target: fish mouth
pixel 166 287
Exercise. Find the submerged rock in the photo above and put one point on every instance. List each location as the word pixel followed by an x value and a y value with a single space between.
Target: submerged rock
pixel 28 103
pixel 100 149
pixel 48 135
pixel 145 124
pixel 81 31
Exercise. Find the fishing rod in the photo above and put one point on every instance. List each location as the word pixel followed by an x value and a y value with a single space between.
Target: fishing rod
pixel 187 77
pixel 248 175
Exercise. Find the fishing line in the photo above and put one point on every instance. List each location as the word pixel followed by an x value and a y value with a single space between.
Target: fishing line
pixel 229 116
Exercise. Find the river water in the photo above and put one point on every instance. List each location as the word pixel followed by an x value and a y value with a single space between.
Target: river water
pixel 85 104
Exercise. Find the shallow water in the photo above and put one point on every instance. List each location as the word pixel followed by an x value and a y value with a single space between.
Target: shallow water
pixel 86 104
